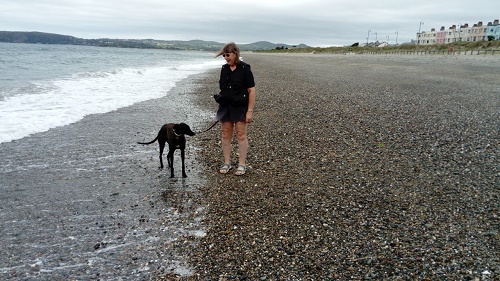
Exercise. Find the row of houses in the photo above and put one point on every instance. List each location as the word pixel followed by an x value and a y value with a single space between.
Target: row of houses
pixel 463 32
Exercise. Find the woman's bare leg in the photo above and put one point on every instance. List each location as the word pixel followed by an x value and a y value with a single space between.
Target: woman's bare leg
pixel 227 137
pixel 241 136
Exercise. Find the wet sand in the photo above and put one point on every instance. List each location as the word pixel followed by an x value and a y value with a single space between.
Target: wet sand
pixel 85 202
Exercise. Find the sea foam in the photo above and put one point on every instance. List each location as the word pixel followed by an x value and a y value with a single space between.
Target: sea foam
pixel 47 104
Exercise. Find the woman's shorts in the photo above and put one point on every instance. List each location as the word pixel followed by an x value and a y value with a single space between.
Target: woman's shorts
pixel 231 113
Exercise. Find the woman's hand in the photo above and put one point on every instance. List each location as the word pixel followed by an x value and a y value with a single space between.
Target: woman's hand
pixel 249 116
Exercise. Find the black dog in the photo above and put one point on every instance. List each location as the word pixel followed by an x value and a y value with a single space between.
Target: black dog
pixel 173 134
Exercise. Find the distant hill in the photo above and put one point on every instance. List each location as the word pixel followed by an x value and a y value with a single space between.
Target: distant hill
pixel 38 37
pixel 264 45
pixel 50 38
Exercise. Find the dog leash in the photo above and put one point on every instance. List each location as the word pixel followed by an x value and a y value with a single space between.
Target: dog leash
pixel 215 123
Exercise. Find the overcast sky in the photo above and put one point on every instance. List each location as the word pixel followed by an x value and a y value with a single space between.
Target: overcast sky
pixel 318 23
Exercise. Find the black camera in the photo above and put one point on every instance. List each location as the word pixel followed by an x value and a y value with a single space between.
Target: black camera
pixel 218 98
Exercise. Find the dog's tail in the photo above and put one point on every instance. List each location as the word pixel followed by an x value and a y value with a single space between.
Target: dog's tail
pixel 149 142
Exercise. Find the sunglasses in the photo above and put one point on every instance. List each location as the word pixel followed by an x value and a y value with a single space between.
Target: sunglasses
pixel 226 55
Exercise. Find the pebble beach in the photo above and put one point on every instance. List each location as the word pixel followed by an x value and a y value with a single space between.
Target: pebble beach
pixel 361 167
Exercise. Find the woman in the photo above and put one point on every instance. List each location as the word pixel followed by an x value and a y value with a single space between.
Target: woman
pixel 237 99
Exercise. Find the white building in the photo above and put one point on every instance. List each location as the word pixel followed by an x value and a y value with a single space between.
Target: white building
pixel 426 38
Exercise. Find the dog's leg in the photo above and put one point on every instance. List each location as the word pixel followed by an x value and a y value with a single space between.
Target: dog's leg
pixel 183 166
pixel 170 159
pixel 162 147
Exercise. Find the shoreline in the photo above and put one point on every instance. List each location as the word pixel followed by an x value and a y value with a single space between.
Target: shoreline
pixel 360 167
pixel 84 201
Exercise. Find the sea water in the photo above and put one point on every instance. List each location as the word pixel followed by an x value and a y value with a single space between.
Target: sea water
pixel 46 86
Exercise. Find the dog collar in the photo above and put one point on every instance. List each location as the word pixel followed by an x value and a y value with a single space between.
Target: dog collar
pixel 177 135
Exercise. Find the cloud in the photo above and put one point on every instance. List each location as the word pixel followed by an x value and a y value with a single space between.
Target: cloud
pixel 313 22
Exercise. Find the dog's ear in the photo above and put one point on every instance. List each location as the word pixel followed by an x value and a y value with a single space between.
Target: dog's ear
pixel 176 126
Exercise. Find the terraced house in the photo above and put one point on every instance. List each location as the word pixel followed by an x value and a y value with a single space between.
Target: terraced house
pixel 462 32
pixel 493 31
